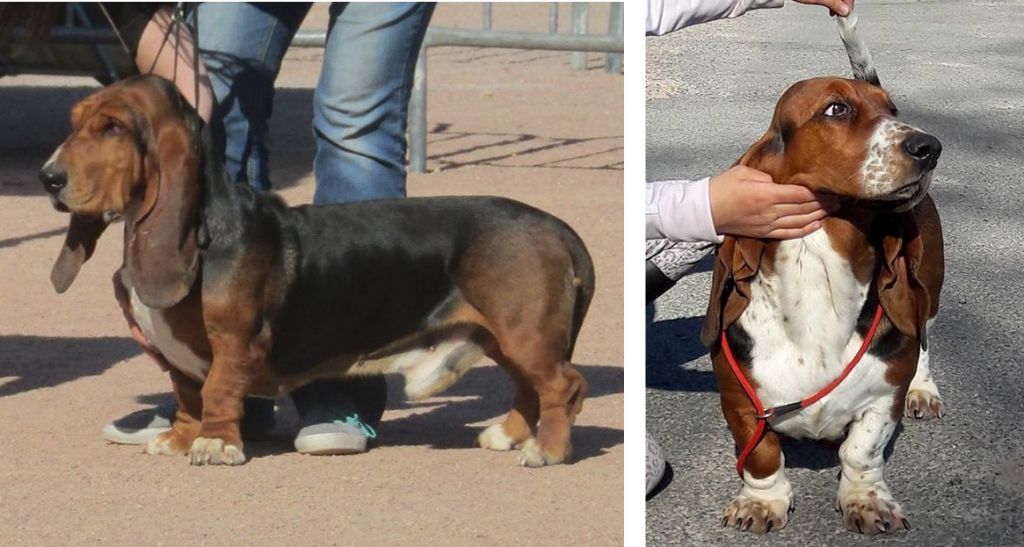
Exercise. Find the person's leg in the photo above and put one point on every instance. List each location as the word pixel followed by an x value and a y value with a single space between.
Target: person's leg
pixel 668 261
pixel 242 46
pixel 359 120
pixel 165 48
pixel 362 100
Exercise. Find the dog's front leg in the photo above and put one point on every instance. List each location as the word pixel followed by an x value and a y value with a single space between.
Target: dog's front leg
pixel 187 420
pixel 220 439
pixel 764 502
pixel 864 498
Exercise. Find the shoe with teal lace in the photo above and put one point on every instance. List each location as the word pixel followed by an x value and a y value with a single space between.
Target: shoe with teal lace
pixel 327 437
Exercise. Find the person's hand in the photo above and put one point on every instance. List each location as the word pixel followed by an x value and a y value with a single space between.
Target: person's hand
pixel 835 7
pixel 746 202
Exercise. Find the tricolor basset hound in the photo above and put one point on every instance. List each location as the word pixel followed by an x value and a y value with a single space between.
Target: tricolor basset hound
pixel 238 294
pixel 795 313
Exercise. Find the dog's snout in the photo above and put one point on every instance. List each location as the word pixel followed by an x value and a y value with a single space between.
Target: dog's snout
pixel 924 148
pixel 53 177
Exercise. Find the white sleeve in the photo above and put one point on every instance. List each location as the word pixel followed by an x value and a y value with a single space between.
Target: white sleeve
pixel 664 16
pixel 680 210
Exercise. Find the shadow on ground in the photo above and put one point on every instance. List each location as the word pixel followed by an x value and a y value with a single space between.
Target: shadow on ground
pixel 484 393
pixel 40 361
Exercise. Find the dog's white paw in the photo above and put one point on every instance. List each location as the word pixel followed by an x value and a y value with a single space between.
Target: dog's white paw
pixel 206 451
pixel 870 510
pixel 924 403
pixel 533 456
pixel 495 438
pixel 168 443
pixel 754 514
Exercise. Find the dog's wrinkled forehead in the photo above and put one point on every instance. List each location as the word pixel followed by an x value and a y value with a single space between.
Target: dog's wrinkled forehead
pixel 140 97
pixel 806 99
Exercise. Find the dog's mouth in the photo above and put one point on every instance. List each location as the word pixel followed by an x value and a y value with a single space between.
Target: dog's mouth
pixel 58 204
pixel 904 192
pixel 907 196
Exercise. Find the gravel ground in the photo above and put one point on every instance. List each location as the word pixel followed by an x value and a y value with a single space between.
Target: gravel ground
pixel 953 69
pixel 506 122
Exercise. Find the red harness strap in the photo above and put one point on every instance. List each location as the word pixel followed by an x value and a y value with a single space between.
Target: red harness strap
pixel 763 415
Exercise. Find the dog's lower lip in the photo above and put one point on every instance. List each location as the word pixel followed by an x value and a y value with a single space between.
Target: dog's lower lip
pixel 897 194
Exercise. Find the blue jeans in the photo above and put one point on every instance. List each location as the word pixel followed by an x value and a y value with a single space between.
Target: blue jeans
pixel 360 108
pixel 242 46
pixel 359 120
pixel 362 99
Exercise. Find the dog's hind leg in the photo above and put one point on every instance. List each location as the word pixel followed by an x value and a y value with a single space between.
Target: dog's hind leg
pixel 561 395
pixel 923 400
pixel 521 420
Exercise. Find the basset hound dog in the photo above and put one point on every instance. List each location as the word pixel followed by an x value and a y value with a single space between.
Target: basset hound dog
pixel 843 312
pixel 238 294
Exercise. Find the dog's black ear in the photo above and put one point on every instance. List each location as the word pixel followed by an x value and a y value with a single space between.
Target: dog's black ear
pixel 79 243
pixel 860 58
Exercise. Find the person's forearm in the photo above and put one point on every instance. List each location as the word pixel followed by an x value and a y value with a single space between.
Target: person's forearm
pixel 160 53
pixel 664 16
pixel 680 210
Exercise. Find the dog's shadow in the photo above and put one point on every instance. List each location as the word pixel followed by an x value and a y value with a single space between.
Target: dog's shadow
pixel 483 394
pixel 818 455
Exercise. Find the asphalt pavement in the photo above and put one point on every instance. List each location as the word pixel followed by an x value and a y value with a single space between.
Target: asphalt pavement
pixel 956 70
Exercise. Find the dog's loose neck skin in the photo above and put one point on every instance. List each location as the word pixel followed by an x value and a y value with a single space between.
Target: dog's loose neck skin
pixel 815 287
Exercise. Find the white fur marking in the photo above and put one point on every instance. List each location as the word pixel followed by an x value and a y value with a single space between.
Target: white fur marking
pixel 158 332
pixel 802 321
pixel 427 370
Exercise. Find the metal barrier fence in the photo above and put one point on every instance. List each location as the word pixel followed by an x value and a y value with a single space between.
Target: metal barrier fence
pixel 579 43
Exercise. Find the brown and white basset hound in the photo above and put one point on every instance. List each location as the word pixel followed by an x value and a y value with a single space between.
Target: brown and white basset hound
pixel 793 314
pixel 238 294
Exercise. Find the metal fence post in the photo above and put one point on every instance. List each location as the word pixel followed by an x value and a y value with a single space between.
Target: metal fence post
pixel 613 61
pixel 418 115
pixel 579 26
pixel 487 16
pixel 553 17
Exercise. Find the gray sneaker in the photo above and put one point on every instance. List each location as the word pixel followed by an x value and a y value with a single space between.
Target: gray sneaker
pixel 337 437
pixel 140 426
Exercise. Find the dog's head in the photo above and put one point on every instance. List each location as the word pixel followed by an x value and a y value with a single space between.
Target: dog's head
pixel 843 137
pixel 132 152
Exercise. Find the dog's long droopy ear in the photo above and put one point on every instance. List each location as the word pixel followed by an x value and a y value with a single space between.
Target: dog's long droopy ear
pixel 765 154
pixel 860 58
pixel 736 263
pixel 904 298
pixel 160 237
pixel 79 244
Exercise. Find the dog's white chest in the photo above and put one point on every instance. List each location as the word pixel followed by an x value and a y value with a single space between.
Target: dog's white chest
pixel 159 334
pixel 801 320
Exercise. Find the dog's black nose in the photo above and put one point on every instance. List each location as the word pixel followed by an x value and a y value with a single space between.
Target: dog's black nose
pixel 53 177
pixel 924 148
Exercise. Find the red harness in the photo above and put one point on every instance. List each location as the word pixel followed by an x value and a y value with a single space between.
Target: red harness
pixel 763 415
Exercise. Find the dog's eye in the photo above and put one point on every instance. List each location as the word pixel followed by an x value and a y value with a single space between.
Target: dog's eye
pixel 113 128
pixel 837 109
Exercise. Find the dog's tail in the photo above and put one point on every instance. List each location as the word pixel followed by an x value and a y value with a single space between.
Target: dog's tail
pixel 583 280
pixel 860 58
